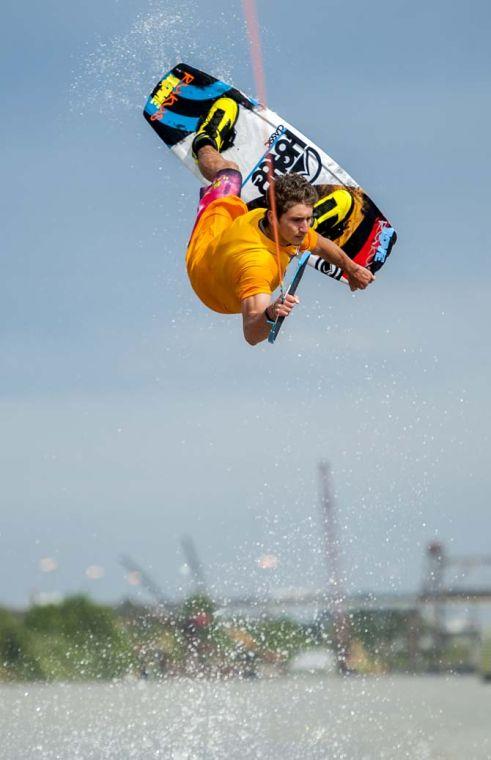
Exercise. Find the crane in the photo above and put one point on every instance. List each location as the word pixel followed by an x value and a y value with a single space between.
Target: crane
pixel 335 593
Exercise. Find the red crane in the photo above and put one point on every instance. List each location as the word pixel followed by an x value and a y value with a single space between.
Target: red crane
pixel 335 591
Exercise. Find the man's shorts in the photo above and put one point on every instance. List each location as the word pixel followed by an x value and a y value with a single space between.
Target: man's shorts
pixel 227 182
pixel 220 204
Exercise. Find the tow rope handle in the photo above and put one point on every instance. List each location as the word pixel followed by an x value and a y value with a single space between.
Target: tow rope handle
pixel 302 263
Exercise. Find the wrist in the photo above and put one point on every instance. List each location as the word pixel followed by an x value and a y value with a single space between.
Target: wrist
pixel 269 319
pixel 349 267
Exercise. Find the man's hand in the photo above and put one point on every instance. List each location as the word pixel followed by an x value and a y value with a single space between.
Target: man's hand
pixel 358 277
pixel 256 328
pixel 282 308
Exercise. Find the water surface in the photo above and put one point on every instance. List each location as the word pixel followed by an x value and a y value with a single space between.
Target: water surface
pixel 295 718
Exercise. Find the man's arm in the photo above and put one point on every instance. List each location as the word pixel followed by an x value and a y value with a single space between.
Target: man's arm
pixel 358 277
pixel 255 324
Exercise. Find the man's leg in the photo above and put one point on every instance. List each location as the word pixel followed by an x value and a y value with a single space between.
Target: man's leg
pixel 210 162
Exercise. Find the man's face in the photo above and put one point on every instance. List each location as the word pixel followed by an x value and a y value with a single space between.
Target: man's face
pixel 294 224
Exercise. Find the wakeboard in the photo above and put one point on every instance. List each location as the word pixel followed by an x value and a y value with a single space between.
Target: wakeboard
pixel 344 213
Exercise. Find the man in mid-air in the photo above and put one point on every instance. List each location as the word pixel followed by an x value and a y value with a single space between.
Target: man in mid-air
pixel 232 259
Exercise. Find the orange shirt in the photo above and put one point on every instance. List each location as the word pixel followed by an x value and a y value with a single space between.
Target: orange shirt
pixel 229 258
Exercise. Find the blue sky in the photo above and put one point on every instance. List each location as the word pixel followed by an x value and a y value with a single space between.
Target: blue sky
pixel 130 414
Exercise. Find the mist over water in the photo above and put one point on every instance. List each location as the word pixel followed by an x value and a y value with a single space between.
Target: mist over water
pixel 119 73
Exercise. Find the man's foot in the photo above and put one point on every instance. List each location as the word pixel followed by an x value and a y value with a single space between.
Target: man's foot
pixel 217 130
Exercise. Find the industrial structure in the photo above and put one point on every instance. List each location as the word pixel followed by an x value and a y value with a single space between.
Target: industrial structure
pixel 446 582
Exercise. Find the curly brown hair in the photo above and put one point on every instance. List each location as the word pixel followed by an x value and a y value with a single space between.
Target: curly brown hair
pixel 290 189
